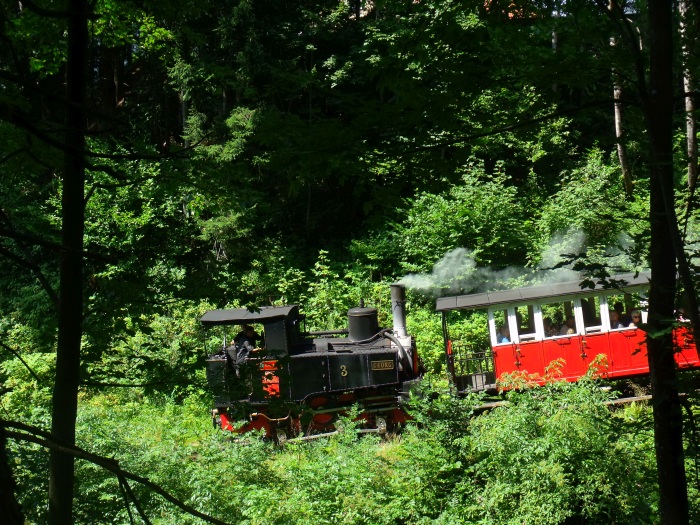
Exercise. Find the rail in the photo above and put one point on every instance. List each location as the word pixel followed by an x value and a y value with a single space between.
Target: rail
pixel 472 370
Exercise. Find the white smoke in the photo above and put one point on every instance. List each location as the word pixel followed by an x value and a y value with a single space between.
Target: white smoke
pixel 561 246
pixel 622 253
pixel 457 270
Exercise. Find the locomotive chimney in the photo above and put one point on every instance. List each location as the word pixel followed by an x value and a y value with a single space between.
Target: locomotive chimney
pixel 398 309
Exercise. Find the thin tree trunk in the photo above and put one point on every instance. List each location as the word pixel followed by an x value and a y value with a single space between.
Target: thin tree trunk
pixel 619 135
pixel 668 421
pixel 690 121
pixel 183 118
pixel 555 47
pixel 70 310
pixel 619 131
pixel 691 132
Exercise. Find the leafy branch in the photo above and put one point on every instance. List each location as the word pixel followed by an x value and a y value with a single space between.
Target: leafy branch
pixel 41 437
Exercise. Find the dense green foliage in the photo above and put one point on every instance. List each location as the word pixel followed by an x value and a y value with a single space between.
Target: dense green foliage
pixel 259 152
pixel 550 456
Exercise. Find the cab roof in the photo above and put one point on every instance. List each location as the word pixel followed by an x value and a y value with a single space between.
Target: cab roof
pixel 531 294
pixel 243 315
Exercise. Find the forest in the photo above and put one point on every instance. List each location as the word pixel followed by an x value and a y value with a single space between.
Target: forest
pixel 162 159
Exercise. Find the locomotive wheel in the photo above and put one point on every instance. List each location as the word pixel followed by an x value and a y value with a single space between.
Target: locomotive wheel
pixel 322 403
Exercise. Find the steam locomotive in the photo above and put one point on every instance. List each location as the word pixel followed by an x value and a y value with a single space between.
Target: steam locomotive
pixel 296 382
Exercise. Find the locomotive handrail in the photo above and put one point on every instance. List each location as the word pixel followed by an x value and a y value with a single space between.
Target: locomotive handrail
pixel 326 332
pixel 373 338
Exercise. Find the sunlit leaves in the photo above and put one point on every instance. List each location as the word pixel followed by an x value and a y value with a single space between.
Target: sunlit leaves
pixel 482 213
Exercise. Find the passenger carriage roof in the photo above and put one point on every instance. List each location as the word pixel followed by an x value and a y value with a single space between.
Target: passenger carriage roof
pixel 243 315
pixel 531 294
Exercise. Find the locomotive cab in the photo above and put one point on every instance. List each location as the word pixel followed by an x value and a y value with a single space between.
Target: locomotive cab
pixel 236 373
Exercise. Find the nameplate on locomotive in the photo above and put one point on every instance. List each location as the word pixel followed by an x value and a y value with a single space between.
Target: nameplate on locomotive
pixel 383 365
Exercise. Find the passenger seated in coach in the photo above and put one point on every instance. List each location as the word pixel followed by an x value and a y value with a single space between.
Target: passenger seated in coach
pixel 680 315
pixel 615 322
pixel 503 335
pixel 569 327
pixel 549 329
pixel 636 318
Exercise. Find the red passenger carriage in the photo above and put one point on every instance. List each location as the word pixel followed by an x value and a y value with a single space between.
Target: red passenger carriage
pixel 531 346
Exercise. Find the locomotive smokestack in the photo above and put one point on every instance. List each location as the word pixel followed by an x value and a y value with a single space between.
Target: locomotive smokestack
pixel 398 309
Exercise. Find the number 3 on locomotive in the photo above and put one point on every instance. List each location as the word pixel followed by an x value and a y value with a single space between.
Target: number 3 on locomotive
pixel 343 370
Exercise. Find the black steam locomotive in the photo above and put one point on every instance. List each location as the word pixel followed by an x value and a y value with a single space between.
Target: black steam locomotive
pixel 291 382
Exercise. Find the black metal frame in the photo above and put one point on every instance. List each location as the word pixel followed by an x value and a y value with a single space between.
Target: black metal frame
pixel 470 371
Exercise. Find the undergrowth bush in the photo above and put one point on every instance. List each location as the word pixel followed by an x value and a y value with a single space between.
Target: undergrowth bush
pixel 551 455
pixel 557 454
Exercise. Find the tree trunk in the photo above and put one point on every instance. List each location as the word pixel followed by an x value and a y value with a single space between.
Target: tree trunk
pixel 690 121
pixel 617 112
pixel 70 310
pixel 10 508
pixel 668 422
pixel 619 139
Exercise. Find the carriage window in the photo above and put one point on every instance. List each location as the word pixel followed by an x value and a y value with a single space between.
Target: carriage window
pixel 554 318
pixel 621 308
pixel 500 327
pixel 640 303
pixel 591 311
pixel 525 318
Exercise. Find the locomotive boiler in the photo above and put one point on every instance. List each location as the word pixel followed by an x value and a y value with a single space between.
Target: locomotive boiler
pixel 289 382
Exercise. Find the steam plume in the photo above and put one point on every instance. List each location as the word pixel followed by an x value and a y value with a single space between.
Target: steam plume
pixel 457 271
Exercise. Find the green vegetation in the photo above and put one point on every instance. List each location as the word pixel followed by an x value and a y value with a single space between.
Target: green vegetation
pixel 548 456
pixel 259 152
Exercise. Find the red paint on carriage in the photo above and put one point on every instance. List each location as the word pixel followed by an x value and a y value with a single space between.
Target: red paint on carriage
pixel 624 352
pixel 532 351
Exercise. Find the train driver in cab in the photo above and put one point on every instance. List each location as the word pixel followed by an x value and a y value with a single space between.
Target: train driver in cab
pixel 247 338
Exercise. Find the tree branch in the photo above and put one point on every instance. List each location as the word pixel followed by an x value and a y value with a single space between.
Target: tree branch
pixel 127 506
pixel 10 155
pixel 108 464
pixel 511 127
pixel 14 234
pixel 130 493
pixel 10 114
pixel 16 354
pixel 135 385
pixel 50 13
pixel 26 262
